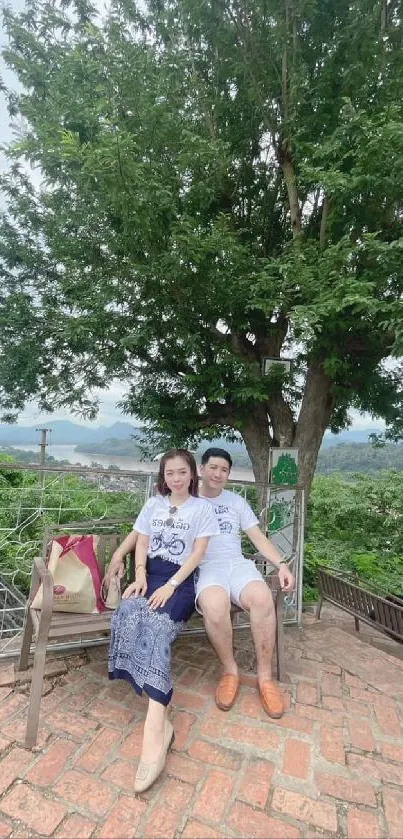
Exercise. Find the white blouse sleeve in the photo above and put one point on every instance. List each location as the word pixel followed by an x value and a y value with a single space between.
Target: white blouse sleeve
pixel 143 520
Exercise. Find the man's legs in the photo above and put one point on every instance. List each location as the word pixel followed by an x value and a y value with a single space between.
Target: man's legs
pixel 215 604
pixel 256 598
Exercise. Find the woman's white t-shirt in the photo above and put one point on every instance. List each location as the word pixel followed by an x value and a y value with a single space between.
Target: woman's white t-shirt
pixel 174 540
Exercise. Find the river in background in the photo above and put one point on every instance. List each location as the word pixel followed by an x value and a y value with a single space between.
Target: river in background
pixel 80 458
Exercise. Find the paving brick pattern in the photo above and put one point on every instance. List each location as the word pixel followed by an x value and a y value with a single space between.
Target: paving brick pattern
pixel 331 767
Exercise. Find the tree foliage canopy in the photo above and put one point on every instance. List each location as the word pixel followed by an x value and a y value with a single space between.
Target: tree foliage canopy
pixel 221 183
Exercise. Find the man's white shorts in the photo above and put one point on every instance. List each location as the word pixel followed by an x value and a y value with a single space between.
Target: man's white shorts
pixel 231 576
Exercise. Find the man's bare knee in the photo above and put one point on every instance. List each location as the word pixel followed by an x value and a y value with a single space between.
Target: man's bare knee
pixel 257 596
pixel 215 605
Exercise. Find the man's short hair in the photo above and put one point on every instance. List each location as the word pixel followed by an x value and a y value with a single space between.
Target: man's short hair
pixel 214 451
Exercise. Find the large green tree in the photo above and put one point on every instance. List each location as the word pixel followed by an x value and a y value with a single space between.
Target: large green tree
pixel 221 183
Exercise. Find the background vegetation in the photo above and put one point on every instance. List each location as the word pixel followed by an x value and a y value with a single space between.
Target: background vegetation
pixel 354 522
pixel 26 509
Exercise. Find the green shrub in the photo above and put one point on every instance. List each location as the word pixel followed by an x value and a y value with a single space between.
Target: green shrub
pixel 356 524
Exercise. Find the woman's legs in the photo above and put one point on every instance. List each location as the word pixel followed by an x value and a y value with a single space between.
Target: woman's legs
pixel 158 736
pixel 154 731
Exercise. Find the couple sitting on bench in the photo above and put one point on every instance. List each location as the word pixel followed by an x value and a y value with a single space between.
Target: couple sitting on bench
pixel 188 552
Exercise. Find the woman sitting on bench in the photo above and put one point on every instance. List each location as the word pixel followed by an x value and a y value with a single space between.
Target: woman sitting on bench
pixel 172 533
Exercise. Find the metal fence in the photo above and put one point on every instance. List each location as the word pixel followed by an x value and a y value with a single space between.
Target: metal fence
pixel 32 498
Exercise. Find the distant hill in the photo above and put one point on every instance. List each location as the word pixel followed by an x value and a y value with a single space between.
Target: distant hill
pixel 132 448
pixel 116 440
pixel 29 456
pixel 114 447
pixel 351 435
pixel 360 457
pixel 344 457
pixel 64 432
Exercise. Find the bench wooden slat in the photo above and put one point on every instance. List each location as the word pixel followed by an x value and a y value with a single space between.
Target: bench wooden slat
pixel 66 623
pixel 101 553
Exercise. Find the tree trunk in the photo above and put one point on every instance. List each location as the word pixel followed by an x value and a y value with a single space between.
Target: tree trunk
pixel 314 416
pixel 256 435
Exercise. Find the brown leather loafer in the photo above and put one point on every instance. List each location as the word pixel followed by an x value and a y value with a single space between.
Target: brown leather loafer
pixel 272 699
pixel 227 691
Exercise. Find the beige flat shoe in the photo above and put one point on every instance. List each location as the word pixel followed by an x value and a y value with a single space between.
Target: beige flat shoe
pixel 147 773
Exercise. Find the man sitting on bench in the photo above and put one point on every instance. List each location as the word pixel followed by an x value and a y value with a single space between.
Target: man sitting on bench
pixel 226 576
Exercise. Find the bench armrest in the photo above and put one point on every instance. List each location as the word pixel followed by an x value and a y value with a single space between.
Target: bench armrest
pixel 44 576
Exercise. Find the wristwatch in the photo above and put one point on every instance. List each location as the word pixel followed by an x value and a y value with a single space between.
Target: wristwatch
pixel 173 583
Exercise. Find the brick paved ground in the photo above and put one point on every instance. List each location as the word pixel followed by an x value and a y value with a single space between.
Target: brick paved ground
pixel 333 766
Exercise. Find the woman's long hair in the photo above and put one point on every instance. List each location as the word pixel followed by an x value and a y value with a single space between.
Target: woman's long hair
pixel 188 457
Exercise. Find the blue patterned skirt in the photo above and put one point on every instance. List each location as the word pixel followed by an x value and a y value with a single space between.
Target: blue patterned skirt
pixel 141 638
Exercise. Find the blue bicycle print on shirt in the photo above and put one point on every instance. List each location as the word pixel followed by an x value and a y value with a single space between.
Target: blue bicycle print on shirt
pixel 174 545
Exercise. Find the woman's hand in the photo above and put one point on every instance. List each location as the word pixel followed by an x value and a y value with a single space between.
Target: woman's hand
pixel 160 596
pixel 116 568
pixel 138 588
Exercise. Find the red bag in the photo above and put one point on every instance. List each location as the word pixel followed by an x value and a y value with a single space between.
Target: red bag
pixel 76 576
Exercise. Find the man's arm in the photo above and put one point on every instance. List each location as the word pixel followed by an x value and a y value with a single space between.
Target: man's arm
pixel 270 552
pixel 263 545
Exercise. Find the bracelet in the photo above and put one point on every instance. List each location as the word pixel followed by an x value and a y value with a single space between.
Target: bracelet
pixel 173 583
pixel 140 566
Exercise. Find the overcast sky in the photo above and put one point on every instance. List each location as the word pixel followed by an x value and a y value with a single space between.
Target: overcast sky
pixel 108 412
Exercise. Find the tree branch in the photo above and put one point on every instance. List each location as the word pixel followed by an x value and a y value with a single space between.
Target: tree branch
pixel 284 63
pixel 384 16
pixel 219 414
pixel 287 165
pixel 325 212
pixel 251 57
pixel 270 336
pixel 282 419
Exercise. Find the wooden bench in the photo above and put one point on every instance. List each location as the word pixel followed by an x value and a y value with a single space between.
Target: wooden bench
pixel 45 625
pixel 384 613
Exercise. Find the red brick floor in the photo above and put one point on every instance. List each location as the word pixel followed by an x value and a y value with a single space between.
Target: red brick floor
pixel 331 767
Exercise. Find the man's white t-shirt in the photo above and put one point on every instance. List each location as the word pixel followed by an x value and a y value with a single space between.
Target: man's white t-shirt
pixel 174 541
pixel 233 515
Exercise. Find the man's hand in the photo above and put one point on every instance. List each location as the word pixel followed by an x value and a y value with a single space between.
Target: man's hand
pixel 286 578
pixel 138 588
